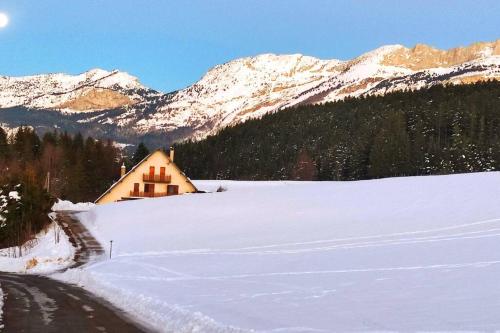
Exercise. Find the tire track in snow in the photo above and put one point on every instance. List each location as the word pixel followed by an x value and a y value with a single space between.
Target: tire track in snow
pixel 487 233
pixel 478 264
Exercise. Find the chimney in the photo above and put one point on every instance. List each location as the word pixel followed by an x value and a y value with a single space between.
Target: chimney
pixel 172 154
pixel 123 170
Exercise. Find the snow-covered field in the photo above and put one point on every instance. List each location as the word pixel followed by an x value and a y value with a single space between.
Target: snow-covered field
pixel 419 253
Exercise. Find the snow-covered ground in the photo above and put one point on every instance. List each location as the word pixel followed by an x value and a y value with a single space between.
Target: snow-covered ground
pixel 49 252
pixel 65 205
pixel 418 253
pixel 1 307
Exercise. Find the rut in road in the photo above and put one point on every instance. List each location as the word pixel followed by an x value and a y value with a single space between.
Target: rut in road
pixel 39 304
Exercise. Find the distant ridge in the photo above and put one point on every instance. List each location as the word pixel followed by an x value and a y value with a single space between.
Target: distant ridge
pixel 238 90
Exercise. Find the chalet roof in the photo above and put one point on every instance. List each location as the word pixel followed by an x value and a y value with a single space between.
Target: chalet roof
pixel 137 165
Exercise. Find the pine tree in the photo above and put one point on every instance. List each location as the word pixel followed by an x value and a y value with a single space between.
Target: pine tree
pixel 140 153
pixel 305 167
pixel 390 154
pixel 4 146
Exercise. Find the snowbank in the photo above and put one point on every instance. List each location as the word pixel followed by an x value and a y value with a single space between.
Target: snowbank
pixel 418 253
pixel 1 307
pixel 65 205
pixel 42 255
pixel 153 311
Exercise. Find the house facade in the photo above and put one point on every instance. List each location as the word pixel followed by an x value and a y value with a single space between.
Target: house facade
pixel 155 176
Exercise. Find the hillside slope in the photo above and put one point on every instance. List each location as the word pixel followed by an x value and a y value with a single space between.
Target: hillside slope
pixel 402 254
pixel 439 130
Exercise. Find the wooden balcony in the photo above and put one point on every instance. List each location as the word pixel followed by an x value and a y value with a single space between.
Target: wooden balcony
pixel 156 178
pixel 139 194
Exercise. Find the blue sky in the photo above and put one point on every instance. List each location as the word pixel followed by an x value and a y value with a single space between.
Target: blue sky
pixel 171 44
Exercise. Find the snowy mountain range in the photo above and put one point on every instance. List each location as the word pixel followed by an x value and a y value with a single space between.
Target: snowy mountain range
pixel 115 104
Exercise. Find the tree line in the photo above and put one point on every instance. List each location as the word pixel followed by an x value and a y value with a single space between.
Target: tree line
pixel 36 170
pixel 437 130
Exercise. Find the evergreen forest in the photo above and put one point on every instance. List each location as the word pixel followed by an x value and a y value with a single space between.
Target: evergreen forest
pixel 36 170
pixel 438 130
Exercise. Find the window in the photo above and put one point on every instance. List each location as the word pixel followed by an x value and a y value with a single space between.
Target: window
pixel 172 189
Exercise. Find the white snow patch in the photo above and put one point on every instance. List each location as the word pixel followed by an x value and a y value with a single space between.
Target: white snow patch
pixel 66 205
pixel 121 146
pixel 42 255
pixel 46 304
pixel 14 195
pixel 1 307
pixel 306 256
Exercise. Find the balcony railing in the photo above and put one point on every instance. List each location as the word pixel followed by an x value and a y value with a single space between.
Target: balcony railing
pixel 139 194
pixel 156 178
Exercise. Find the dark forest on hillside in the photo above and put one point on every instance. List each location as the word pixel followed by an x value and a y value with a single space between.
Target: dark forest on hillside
pixel 69 167
pixel 439 130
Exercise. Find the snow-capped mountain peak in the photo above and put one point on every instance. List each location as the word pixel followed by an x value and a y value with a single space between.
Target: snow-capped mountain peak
pixel 246 88
pixel 250 87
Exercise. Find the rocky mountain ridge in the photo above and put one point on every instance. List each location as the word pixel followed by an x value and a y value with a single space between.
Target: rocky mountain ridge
pixel 116 104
